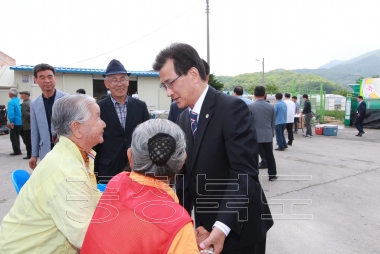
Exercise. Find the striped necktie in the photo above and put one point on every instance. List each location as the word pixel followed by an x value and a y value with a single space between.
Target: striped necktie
pixel 194 123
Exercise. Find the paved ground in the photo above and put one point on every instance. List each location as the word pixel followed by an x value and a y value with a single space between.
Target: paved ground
pixel 336 179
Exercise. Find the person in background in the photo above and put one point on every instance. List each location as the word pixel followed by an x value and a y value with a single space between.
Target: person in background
pixel 156 155
pixel 263 163
pixel 25 110
pixel 360 115
pixel 308 115
pixel 296 112
pixel 264 122
pixel 15 120
pixel 122 114
pixel 135 95
pixel 221 145
pixel 42 131
pixel 238 92
pixel 290 109
pixel 96 98
pixel 281 117
pixel 81 91
pixel 175 111
pixel 104 96
pixel 53 209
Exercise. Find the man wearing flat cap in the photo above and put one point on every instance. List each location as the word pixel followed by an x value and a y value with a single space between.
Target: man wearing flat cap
pixel 25 112
pixel 121 114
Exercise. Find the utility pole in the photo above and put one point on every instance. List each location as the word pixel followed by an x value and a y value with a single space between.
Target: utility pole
pixel 208 34
pixel 262 76
pixel 263 73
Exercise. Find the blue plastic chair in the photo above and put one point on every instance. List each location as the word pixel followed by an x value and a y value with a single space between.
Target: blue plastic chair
pixel 102 187
pixel 19 178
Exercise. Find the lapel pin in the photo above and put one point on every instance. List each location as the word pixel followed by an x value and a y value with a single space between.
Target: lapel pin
pixel 206 115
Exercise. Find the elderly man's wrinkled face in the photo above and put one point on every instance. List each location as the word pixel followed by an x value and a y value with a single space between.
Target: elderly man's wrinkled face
pixel 117 84
pixel 94 126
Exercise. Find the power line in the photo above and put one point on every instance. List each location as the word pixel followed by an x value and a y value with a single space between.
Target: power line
pixel 136 39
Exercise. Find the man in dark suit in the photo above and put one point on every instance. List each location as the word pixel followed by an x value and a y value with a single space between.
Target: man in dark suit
pixel 121 114
pixel 221 153
pixel 175 111
pixel 360 115
pixel 264 122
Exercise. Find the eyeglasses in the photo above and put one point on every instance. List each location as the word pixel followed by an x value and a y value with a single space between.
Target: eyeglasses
pixel 165 86
pixel 122 81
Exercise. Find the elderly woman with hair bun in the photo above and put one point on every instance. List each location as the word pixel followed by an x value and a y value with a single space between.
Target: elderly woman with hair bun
pixel 55 206
pixel 139 211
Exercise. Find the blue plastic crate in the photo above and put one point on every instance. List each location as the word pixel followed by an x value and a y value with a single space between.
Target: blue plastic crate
pixel 330 130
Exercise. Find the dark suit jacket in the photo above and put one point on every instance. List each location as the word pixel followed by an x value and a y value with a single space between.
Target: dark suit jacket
pixel 174 112
pixel 111 154
pixel 225 156
pixel 362 109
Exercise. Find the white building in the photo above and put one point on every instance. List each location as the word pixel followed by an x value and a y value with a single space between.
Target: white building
pixel 144 83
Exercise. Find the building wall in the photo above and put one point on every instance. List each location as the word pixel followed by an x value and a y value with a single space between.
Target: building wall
pixel 6 82
pixel 6 60
pixel 72 82
pixel 148 87
pixel 149 91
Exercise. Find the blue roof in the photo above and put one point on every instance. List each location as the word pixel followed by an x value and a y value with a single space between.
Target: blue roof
pixel 84 71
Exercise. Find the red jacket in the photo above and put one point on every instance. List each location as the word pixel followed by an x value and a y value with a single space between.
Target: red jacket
pixel 134 218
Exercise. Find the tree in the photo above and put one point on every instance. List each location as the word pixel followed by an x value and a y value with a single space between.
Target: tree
pixel 342 92
pixel 271 89
pixel 215 83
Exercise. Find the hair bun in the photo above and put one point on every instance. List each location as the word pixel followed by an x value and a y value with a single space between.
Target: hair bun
pixel 161 147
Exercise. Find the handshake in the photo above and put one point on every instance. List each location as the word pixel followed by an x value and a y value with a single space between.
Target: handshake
pixel 201 234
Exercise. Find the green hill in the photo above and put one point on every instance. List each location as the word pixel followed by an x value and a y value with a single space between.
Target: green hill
pixel 282 79
pixel 335 76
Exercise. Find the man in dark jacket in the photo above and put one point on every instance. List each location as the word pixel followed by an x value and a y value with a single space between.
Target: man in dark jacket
pixel 121 114
pixel 25 111
pixel 308 115
pixel 360 115
pixel 220 153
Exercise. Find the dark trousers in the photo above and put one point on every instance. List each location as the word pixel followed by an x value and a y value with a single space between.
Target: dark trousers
pixel 27 139
pixel 308 117
pixel 280 138
pixel 270 161
pixel 296 119
pixel 262 154
pixel 258 248
pixel 15 138
pixel 289 128
pixel 358 123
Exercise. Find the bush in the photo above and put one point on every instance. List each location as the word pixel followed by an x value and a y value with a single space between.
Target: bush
pixel 338 114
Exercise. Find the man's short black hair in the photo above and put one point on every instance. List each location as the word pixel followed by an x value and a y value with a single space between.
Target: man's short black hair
pixel 278 96
pixel 360 97
pixel 207 67
pixel 42 67
pixel 305 96
pixel 294 97
pixel 81 91
pixel 184 58
pixel 259 91
pixel 239 90
pixel 287 95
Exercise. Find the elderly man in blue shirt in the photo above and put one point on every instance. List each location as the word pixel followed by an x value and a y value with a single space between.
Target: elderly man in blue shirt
pixel 280 111
pixel 15 120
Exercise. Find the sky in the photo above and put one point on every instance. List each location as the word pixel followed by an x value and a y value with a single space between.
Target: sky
pixel 288 34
